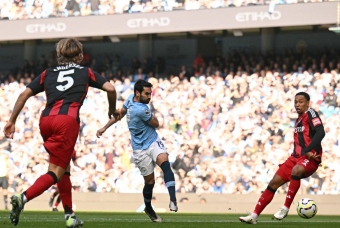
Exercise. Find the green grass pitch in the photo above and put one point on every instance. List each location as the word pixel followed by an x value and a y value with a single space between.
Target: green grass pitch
pixel 29 219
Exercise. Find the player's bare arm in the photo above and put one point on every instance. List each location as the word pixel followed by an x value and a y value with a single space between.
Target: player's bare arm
pixel 111 97
pixel 75 163
pixel 154 122
pixel 19 104
pixel 109 124
pixel 122 113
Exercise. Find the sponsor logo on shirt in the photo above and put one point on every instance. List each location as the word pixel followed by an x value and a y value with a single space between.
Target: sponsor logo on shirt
pixel 299 129
pixel 316 121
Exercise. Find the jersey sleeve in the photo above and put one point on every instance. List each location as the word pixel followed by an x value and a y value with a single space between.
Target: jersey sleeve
pixel 126 103
pixel 96 80
pixel 144 113
pixel 37 85
pixel 314 119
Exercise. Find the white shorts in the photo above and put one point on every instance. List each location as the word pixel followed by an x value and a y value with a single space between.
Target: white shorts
pixel 146 159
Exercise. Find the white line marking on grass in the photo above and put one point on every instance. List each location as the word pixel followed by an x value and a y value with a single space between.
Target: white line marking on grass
pixel 23 219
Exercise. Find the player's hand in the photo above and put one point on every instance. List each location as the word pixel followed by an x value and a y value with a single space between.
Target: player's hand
pixel 311 155
pixel 117 114
pixel 114 113
pixel 9 130
pixel 100 132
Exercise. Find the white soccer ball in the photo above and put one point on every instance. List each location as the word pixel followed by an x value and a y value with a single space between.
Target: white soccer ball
pixel 307 208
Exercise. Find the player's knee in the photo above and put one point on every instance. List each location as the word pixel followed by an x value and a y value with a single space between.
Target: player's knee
pixel 161 158
pixel 271 189
pixel 298 171
pixel 150 181
pixel 273 185
pixel 54 176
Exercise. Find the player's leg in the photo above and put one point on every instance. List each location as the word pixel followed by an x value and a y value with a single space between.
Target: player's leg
pixel 169 179
pixel 280 178
pixel 65 192
pixel 5 194
pixel 266 197
pixel 160 156
pixel 43 183
pixel 56 204
pixel 149 183
pixel 294 185
pixel 4 186
pixel 303 168
pixel 60 134
pixel 50 203
pixel 146 166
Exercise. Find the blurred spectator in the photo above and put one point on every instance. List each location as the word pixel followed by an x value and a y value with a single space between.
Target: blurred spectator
pixel 224 135
pixel 16 9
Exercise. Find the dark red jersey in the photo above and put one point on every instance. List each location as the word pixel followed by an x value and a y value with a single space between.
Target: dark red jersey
pixel 304 131
pixel 66 88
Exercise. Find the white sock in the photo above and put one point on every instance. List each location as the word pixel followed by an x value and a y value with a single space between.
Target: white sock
pixel 255 216
pixel 286 208
pixel 24 199
pixel 67 215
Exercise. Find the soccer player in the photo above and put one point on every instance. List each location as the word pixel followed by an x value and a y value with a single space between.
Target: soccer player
pixel 4 176
pixel 148 148
pixel 56 193
pixel 66 88
pixel 303 162
pixel 53 196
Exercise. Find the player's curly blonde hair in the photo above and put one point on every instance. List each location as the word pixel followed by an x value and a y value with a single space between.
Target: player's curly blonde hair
pixel 69 50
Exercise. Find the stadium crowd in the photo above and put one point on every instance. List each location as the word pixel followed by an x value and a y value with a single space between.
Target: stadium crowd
pixel 30 9
pixel 227 126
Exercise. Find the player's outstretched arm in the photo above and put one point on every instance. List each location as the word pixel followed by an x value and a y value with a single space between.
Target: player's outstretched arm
pixel 122 113
pixel 19 104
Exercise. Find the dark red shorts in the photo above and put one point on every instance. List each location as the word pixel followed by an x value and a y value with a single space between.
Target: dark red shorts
pixel 60 134
pixel 285 170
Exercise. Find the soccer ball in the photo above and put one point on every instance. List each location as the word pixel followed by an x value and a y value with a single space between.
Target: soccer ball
pixel 307 208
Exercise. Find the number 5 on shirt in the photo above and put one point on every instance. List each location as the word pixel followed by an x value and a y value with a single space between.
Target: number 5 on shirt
pixel 62 78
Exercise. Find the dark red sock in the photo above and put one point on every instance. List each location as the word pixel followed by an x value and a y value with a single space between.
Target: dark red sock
pixel 57 201
pixel 294 186
pixel 264 200
pixel 65 192
pixel 54 194
pixel 40 185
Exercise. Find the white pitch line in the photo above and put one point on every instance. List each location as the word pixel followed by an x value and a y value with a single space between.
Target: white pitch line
pixel 169 220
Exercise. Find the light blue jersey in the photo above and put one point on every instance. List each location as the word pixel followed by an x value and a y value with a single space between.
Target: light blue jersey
pixel 138 115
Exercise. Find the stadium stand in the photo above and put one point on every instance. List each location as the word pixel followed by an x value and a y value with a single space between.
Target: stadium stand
pixel 226 125
pixel 19 9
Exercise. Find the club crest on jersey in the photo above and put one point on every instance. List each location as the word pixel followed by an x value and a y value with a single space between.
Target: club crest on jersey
pixel 147 112
pixel 316 121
